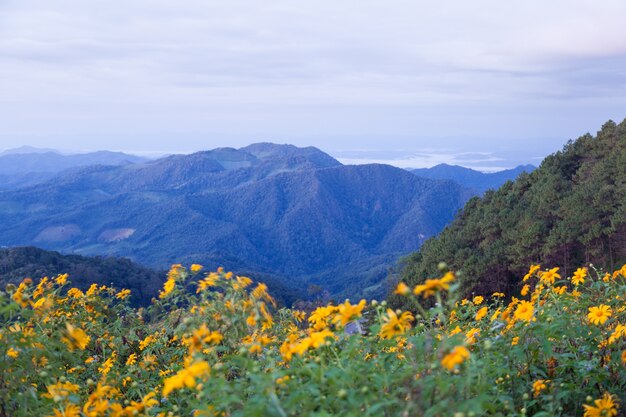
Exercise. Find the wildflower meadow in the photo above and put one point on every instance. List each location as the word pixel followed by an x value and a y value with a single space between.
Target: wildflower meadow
pixel 215 344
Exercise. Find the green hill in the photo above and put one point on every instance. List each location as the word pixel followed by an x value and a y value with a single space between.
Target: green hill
pixel 570 211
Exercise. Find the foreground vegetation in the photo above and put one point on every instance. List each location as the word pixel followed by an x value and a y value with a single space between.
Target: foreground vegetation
pixel 213 344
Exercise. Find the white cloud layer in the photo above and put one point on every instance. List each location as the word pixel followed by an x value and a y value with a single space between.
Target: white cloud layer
pixel 192 74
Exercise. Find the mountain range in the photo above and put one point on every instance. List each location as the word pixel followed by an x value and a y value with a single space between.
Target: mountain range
pixel 27 166
pixel 472 179
pixel 294 215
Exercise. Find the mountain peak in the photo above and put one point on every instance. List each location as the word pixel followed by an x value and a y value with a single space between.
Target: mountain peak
pixel 311 154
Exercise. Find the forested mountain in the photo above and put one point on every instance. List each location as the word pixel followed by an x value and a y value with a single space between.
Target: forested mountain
pixel 30 166
pixel 570 211
pixel 29 262
pixel 470 178
pixel 294 214
pixel 145 283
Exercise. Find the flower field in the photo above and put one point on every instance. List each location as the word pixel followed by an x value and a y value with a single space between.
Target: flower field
pixel 215 344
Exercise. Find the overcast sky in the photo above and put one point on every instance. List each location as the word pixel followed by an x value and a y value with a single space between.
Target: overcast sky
pixel 484 83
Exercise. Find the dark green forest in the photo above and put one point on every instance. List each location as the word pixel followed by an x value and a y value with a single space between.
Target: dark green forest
pixel 570 211
pixel 22 262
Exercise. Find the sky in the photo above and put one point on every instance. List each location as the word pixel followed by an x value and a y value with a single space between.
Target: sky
pixel 487 84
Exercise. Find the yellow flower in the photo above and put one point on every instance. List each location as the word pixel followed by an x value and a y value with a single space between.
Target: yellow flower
pixel 175 271
pixel 61 279
pixel 620 331
pixel 348 312
pixel 107 365
pixel 548 277
pixel 195 268
pixel 431 286
pixel 209 281
pixel 402 289
pixel 201 337
pixel 92 290
pixel 498 294
pixel 299 315
pixel 147 341
pixel 242 282
pixel 318 338
pixel 260 292
pixel 496 314
pixel 539 385
pixel 395 325
pixel 70 410
pixel 168 287
pixel 319 317
pixel 76 338
pixel 75 293
pixel 122 295
pixel 186 377
pixel 600 314
pixel 579 276
pixel 251 320
pixel 470 336
pixel 454 331
pixel 531 272
pixel 478 300
pixel 604 407
pixel 524 311
pixel 624 357
pixel 19 296
pixel 13 353
pixel 457 356
pixel 481 313
pixel 132 359
pixel 61 389
pixel 525 290
pixel 515 341
pixel 268 320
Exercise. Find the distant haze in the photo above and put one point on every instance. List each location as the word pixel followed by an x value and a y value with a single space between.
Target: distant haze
pixel 486 84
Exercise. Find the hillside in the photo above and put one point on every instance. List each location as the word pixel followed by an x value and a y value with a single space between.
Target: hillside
pixel 571 210
pixel 28 166
pixel 292 213
pixel 21 262
pixel 470 178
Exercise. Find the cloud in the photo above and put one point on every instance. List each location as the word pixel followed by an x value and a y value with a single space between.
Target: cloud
pixel 303 71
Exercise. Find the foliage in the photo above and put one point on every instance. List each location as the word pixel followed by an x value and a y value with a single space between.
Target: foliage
pixel 570 211
pixel 224 349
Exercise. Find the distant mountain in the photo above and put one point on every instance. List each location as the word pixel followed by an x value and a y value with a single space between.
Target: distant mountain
pixel 470 178
pixel 28 166
pixel 26 149
pixel 569 212
pixel 293 213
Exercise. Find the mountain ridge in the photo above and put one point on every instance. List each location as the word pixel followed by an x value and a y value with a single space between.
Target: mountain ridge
pixel 473 179
pixel 293 212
